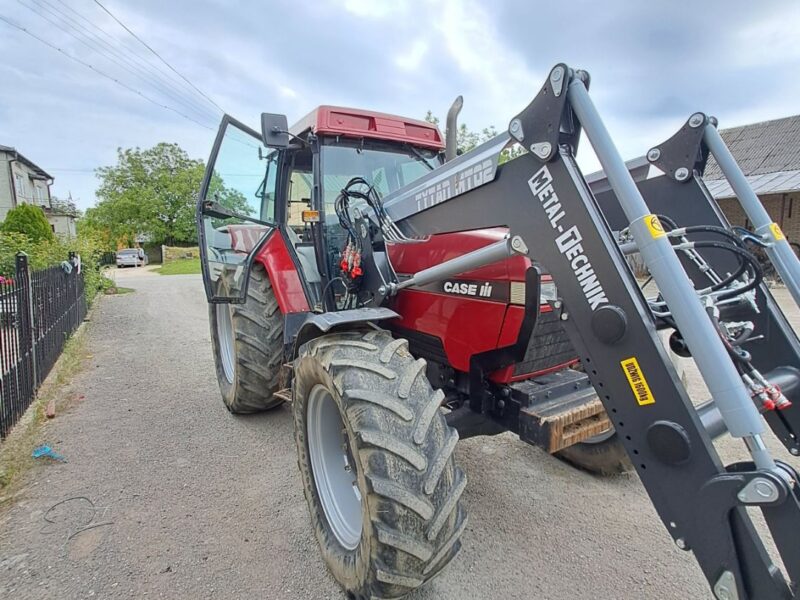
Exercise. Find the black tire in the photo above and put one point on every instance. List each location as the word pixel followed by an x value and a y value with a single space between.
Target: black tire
pixel 257 347
pixel 409 484
pixel 605 457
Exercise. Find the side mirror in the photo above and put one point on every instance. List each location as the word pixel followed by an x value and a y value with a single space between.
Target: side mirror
pixel 274 130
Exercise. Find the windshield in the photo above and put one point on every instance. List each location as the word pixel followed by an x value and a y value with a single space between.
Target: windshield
pixel 385 167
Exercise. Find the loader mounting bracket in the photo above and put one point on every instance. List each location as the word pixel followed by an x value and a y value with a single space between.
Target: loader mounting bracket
pixel 722 501
pixel 548 120
pixel 684 153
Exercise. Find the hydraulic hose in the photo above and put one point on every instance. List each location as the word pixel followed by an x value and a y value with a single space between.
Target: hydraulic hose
pixel 721 231
pixel 737 248
pixel 745 260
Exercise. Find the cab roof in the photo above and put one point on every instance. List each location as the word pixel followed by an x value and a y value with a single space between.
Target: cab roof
pixel 357 123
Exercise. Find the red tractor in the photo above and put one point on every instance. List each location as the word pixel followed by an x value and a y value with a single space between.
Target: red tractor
pixel 401 297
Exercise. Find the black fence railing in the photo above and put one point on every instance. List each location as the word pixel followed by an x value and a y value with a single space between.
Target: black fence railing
pixel 38 312
pixel 107 258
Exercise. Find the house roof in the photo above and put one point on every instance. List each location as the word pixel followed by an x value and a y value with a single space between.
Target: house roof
pixel 33 166
pixel 768 154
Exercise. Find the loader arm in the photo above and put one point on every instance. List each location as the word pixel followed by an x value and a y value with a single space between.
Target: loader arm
pixel 544 200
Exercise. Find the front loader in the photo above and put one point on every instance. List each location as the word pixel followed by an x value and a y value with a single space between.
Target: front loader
pixel 401 301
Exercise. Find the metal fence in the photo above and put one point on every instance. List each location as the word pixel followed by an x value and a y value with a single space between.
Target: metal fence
pixel 38 312
pixel 107 258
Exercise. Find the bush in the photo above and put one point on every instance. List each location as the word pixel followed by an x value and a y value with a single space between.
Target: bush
pixel 29 220
pixel 47 253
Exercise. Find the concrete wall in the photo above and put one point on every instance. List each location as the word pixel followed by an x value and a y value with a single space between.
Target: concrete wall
pixel 6 191
pixel 29 190
pixel 62 225
pixel 172 253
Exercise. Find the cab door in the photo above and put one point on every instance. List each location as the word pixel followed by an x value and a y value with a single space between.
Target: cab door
pixel 235 209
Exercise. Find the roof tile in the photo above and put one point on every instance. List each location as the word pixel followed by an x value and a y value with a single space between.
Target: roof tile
pixel 766 147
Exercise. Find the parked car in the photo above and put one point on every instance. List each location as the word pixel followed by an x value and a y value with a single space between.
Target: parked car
pixel 131 257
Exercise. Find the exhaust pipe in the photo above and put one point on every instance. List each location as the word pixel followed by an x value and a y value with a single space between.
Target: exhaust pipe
pixel 451 129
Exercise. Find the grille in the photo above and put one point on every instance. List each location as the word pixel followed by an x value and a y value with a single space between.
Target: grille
pixel 549 346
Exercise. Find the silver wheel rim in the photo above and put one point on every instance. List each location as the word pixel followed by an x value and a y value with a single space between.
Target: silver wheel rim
pixel 331 464
pixel 226 340
pixel 600 437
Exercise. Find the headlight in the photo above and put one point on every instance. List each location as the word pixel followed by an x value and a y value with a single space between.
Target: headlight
pixel 547 292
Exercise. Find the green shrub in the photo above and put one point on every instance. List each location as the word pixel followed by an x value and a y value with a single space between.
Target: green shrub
pixel 29 220
pixel 47 253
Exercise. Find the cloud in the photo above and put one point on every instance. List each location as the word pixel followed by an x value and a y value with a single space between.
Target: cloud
pixel 652 64
pixel 411 59
pixel 375 9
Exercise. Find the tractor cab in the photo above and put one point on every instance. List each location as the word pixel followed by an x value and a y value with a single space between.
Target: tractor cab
pixel 286 182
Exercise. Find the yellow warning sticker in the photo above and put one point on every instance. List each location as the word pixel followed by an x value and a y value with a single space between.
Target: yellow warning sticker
pixel 776 232
pixel 637 381
pixel 654 226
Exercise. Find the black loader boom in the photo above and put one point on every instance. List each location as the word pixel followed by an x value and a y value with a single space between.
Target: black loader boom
pixel 369 315
pixel 709 292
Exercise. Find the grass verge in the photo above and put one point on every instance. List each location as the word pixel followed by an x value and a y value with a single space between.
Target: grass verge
pixel 185 266
pixel 15 451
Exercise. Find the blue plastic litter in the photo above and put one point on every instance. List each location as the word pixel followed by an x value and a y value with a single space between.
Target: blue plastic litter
pixel 48 452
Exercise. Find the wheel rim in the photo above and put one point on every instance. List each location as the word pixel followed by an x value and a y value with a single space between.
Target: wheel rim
pixel 600 437
pixel 226 340
pixel 333 468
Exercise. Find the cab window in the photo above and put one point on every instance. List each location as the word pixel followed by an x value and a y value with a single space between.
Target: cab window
pixel 238 208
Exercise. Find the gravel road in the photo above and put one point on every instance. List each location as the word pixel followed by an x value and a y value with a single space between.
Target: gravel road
pixel 166 495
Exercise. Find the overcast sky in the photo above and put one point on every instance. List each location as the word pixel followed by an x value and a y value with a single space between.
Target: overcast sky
pixel 652 64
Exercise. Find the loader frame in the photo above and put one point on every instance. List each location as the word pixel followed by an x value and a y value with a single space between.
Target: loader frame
pixel 544 200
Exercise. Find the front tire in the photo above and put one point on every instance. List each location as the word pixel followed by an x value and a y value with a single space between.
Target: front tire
pixel 376 459
pixel 604 455
pixel 247 340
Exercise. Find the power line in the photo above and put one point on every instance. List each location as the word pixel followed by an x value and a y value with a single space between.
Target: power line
pixel 147 70
pixel 126 54
pixel 101 73
pixel 141 41
pixel 116 40
pixel 92 45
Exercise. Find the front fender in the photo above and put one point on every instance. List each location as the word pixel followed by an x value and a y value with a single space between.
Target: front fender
pixel 317 324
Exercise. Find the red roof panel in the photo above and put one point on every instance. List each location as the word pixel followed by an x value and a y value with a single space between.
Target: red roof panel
pixel 357 123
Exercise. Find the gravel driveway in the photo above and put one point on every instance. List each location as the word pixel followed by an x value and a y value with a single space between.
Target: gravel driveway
pixel 166 495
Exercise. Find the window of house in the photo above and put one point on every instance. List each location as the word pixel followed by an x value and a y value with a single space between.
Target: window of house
pixel 38 192
pixel 19 185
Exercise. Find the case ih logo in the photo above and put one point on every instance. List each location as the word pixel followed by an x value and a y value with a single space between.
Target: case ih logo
pixel 468 289
pixel 495 291
pixel 569 239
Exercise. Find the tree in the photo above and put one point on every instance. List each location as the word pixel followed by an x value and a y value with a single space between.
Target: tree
pixel 29 220
pixel 64 206
pixel 148 192
pixel 153 192
pixel 466 139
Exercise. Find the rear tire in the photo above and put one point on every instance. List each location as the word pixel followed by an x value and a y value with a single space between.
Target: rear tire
pixel 604 457
pixel 248 347
pixel 384 496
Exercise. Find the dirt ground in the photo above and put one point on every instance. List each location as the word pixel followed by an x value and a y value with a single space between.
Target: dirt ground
pixel 166 495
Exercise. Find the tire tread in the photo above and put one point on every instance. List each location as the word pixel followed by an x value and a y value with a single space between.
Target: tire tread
pixel 406 451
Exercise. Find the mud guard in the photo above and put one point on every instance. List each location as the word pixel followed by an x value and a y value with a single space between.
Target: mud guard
pixel 302 328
